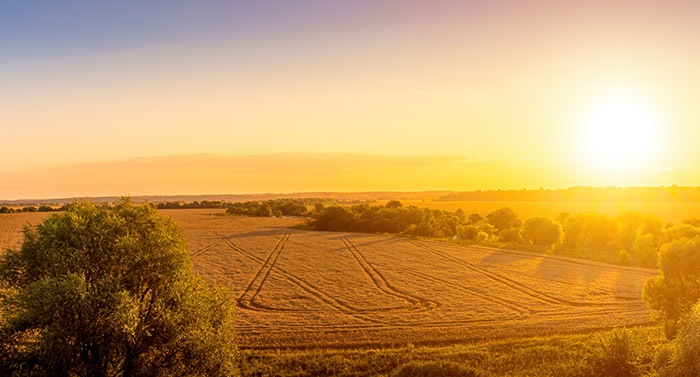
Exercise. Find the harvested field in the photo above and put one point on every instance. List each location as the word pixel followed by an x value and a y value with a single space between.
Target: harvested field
pixel 305 289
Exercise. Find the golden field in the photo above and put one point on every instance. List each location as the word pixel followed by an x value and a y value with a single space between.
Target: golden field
pixel 300 288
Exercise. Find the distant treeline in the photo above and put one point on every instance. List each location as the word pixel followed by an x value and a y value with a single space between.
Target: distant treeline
pixel 670 194
pixel 30 209
pixel 280 207
pixel 630 238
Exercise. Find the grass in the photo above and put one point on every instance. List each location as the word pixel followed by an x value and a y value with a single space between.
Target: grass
pixel 558 355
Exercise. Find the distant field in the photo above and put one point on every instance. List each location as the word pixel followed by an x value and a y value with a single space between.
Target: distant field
pixel 674 212
pixel 320 289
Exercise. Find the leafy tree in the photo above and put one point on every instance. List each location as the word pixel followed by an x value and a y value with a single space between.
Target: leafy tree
pixel 584 230
pixel 694 221
pixel 264 211
pixel 680 231
pixel 393 204
pixel 677 287
pixel 469 232
pixel 335 218
pixel 99 291
pixel 540 230
pixel 681 357
pixel 475 218
pixel 652 224
pixel 503 218
pixel 645 248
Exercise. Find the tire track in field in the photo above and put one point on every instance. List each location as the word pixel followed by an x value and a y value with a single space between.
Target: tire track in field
pixel 205 249
pixel 510 283
pixel 382 284
pixel 263 273
pixel 321 296
pixel 521 312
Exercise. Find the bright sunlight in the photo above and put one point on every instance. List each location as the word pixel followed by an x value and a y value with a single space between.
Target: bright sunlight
pixel 620 134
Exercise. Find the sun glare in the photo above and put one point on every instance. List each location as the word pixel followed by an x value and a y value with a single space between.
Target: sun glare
pixel 620 134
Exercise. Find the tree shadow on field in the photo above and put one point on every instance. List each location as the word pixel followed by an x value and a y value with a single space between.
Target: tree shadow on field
pixel 496 257
pixel 271 231
pixel 570 271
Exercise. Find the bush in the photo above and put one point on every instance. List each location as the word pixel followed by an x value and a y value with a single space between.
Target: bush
pixel 623 258
pixel 510 235
pixel 469 232
pixel 615 356
pixel 435 369
pixel 540 230
pixel 99 291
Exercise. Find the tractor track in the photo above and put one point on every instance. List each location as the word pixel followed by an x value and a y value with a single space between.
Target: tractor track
pixel 510 283
pixel 382 284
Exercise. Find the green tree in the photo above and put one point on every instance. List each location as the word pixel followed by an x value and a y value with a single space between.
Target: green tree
pixel 540 230
pixel 677 287
pixel 681 357
pixel 99 291
pixel 503 218
pixel 393 204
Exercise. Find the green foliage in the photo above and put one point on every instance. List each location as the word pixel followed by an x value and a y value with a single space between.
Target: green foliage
pixel 540 230
pixel 393 204
pixel 99 291
pixel 382 219
pixel 557 355
pixel 623 258
pixel 286 207
pixel 679 231
pixel 469 232
pixel 645 249
pixel 652 224
pixel 475 218
pixel 681 357
pixel 677 287
pixel 435 369
pixel 585 230
pixel 615 356
pixel 510 236
pixel 503 218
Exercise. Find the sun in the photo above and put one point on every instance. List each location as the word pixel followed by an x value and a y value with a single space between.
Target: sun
pixel 620 133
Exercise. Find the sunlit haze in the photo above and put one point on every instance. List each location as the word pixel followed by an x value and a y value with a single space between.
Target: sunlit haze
pixel 181 97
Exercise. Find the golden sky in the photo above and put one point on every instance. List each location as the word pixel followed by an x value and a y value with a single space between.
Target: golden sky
pixel 206 97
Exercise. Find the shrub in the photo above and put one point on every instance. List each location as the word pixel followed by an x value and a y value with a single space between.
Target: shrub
pixel 469 232
pixel 482 237
pixel 510 235
pixel 623 258
pixel 615 356
pixel 435 369
pixel 99 291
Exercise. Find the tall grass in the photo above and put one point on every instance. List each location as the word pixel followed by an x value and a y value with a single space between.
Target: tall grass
pixel 559 355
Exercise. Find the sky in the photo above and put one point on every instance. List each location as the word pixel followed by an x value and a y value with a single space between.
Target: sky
pixel 193 97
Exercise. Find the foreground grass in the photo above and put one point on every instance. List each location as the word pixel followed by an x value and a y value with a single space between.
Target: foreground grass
pixel 559 355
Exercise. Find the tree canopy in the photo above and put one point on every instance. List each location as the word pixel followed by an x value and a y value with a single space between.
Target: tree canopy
pixel 677 287
pixel 100 291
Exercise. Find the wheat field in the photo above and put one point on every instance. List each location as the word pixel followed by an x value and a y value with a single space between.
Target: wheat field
pixel 298 288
